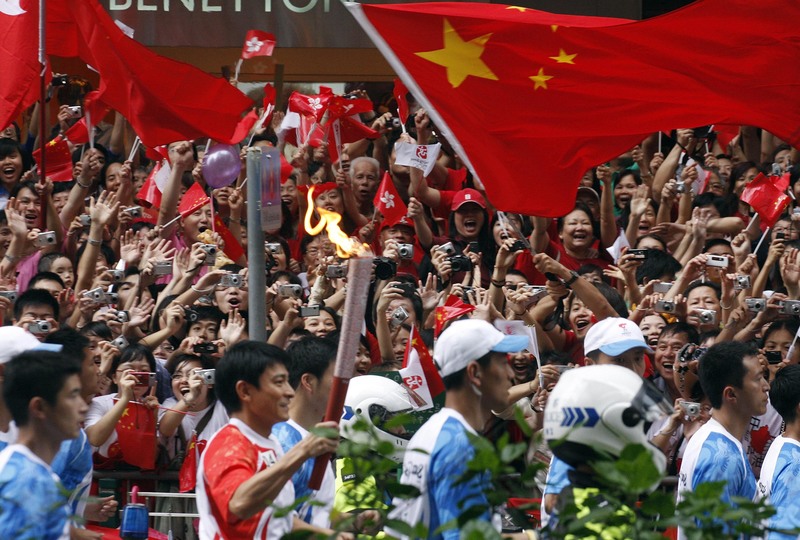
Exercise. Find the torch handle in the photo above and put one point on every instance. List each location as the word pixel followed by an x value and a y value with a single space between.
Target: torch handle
pixel 333 413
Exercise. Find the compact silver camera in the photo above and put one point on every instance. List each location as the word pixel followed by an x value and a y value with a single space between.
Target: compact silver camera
pixel 406 251
pixel 39 327
pixel 448 248
pixel 123 316
pixel 741 283
pixel 117 275
pixel 162 268
pixel 272 247
pixel 665 306
pixel 335 271
pixel 11 295
pixel 86 219
pixel 718 261
pixel 231 280
pixel 290 291
pixel 790 307
pixel 121 343
pixel 690 408
pixel 309 311
pixel 110 298
pixel 75 111
pixel 211 254
pixel 537 293
pixel 707 316
pixel 46 239
pixel 755 304
pixel 208 376
pixel 398 317
pixel 96 295
pixel 662 288
pixel 134 211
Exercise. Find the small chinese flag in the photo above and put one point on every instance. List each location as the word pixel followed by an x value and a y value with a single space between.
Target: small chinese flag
pixel 258 43
pixel 387 201
pixel 150 194
pixel 194 199
pixel 766 199
pixel 453 308
pixel 188 473
pixel 400 93
pixel 77 133
pixel 233 247
pixel 59 160
pixel 136 434
pixel 419 375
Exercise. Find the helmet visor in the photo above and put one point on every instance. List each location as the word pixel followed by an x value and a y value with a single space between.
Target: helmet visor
pixel 650 403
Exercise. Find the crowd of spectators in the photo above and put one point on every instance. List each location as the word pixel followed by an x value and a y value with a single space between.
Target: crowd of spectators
pixel 658 235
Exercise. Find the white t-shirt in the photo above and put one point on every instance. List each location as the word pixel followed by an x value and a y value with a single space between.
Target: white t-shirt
pixel 779 484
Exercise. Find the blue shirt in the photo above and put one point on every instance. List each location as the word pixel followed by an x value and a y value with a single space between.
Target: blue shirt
pixel 289 434
pixel 33 503
pixel 435 462
pixel 779 484
pixel 714 455
pixel 73 465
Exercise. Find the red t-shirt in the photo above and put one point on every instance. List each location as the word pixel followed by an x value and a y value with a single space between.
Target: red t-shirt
pixel 233 455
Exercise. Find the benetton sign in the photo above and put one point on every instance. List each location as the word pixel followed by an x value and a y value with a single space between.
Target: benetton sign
pixel 223 23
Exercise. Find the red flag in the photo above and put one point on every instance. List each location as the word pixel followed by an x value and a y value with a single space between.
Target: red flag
pixel 269 96
pixel 233 246
pixel 388 202
pixel 453 308
pixel 188 474
pixel 311 106
pixel 18 56
pixel 136 434
pixel 164 100
pixel 59 160
pixel 157 153
pixel 258 43
pixel 781 182
pixel 150 194
pixel 765 198
pixel 401 97
pixel 568 92
pixel 419 375
pixel 194 199
pixel 78 133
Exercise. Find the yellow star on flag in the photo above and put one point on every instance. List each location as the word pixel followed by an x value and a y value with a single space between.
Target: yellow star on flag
pixel 564 58
pixel 460 58
pixel 518 8
pixel 540 79
pixel 553 27
pixel 52 143
pixel 126 412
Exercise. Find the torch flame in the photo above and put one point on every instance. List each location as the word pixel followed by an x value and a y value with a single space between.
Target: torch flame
pixel 346 246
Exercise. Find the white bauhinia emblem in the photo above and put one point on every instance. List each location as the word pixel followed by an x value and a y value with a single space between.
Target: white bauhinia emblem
pixel 388 200
pixel 11 7
pixel 315 103
pixel 253 45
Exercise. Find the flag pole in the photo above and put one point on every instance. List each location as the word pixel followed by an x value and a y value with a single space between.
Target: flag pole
pixel 42 111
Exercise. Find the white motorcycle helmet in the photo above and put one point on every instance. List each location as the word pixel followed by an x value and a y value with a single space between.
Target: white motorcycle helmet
pixel 597 410
pixel 375 400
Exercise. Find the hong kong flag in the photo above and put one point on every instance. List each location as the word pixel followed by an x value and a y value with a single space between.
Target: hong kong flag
pixel 258 43
pixel 387 201
pixel 419 375
pixel 569 92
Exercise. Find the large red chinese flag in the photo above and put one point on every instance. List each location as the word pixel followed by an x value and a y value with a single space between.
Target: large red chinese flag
pixel 164 100
pixel 516 89
pixel 136 434
pixel 20 67
pixel 765 198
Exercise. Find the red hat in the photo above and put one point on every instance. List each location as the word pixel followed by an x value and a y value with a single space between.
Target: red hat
pixel 404 220
pixel 468 195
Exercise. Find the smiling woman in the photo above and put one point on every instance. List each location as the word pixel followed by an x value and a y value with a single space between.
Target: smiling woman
pixel 14 161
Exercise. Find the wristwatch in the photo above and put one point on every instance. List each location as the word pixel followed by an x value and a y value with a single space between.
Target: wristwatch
pixel 573 279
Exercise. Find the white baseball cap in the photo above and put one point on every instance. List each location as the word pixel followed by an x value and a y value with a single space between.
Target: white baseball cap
pixel 467 340
pixel 614 336
pixel 15 341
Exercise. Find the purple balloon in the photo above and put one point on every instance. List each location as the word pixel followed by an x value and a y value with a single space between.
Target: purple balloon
pixel 221 165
